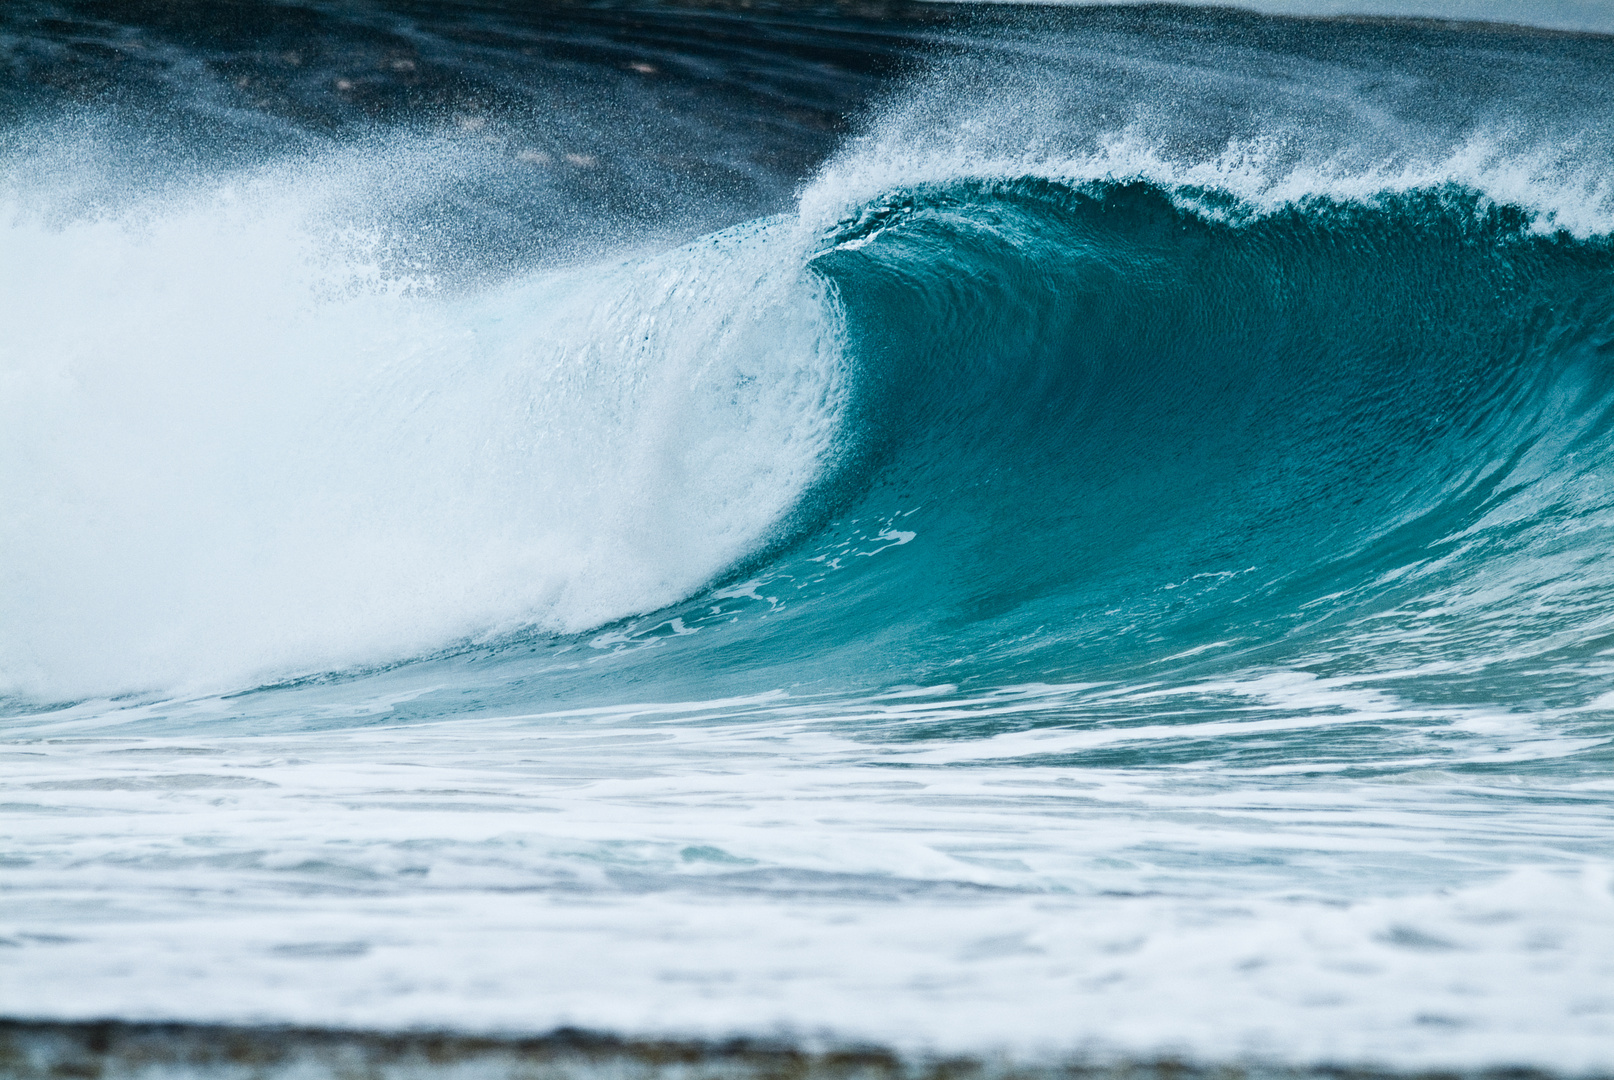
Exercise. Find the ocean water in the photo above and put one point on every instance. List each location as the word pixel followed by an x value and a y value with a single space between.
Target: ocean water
pixel 1059 533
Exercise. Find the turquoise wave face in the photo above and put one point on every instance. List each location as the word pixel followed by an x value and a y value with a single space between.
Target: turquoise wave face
pixel 1128 437
pixel 1096 436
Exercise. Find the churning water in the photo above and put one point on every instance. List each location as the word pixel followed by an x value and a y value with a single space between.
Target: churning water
pixel 516 518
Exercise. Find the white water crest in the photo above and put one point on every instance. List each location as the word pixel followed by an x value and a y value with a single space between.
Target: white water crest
pixel 1323 132
pixel 244 438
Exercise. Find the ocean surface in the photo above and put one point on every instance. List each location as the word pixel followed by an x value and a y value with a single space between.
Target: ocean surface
pixel 1050 532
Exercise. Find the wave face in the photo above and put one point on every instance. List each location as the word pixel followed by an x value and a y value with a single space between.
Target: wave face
pixel 1098 435
pixel 512 519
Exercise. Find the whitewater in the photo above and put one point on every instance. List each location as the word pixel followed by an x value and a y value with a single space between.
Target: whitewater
pixel 1041 534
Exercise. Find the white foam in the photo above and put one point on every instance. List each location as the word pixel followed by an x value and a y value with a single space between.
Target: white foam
pixel 240 440
pixel 762 865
